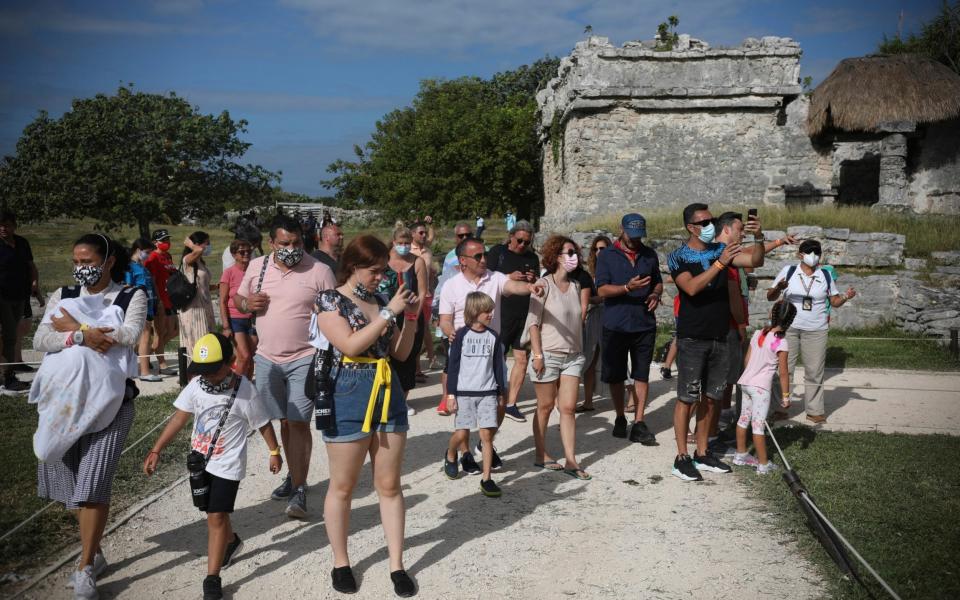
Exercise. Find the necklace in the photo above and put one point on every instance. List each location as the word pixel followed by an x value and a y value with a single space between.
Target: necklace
pixel 216 388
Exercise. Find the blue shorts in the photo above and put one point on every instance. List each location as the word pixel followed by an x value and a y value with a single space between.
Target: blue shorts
pixel 280 387
pixel 244 326
pixel 350 399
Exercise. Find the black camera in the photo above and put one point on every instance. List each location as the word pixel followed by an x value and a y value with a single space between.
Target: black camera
pixel 199 479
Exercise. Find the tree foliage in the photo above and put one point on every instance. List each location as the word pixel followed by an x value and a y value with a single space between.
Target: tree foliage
pixel 939 39
pixel 132 158
pixel 466 146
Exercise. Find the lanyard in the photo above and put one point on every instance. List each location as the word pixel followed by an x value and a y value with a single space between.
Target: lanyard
pixel 807 287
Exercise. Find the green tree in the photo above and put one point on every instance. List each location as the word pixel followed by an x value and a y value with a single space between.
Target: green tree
pixel 465 146
pixel 133 158
pixel 939 39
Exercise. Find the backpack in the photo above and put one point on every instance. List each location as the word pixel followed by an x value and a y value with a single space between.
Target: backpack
pixel 181 290
pixel 826 274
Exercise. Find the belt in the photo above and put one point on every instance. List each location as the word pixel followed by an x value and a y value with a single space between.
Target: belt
pixel 381 380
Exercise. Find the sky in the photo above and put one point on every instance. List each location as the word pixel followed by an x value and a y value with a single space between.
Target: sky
pixel 313 76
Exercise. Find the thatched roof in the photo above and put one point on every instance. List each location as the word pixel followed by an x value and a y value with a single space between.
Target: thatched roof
pixel 863 92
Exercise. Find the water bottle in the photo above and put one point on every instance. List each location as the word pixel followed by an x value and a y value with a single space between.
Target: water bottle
pixel 199 479
pixel 323 411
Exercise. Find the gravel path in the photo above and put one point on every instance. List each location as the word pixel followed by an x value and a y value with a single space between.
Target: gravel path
pixel 633 531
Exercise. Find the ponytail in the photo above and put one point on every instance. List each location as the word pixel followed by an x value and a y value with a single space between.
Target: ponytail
pixel 782 316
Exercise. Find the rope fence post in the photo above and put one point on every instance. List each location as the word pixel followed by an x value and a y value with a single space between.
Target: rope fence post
pixel 954 346
pixel 182 366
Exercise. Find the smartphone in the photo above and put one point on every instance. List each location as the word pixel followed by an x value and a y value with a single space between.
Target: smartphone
pixel 410 279
pixel 751 212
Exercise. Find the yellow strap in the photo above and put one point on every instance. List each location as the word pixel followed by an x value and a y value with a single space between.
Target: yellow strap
pixel 380 380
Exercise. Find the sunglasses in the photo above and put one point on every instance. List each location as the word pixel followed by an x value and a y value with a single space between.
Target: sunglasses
pixel 570 252
pixel 599 248
pixel 522 242
pixel 477 257
pixel 461 236
pixel 702 223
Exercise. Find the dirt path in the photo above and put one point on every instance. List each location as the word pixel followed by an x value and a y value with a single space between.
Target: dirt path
pixel 632 531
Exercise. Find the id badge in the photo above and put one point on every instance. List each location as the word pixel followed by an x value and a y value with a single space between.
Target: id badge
pixel 807 303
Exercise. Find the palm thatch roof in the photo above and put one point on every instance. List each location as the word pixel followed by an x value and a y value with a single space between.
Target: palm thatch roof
pixel 862 93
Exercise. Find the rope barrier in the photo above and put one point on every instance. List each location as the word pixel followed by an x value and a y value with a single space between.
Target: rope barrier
pixel 42 510
pixel 793 480
pixel 37 362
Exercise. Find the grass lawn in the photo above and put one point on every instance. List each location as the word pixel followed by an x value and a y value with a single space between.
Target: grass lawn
pixel 925 234
pixel 894 497
pixel 55 529
pixel 901 352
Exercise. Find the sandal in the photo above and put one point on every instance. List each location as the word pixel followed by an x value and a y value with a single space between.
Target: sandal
pixel 584 408
pixel 578 474
pixel 550 465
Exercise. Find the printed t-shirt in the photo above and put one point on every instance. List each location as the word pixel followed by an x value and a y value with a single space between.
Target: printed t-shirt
pixel 229 458
pixel 763 360
pixel 477 352
pixel 705 316
pixel 233 277
pixel 799 286
pixel 160 265
pixel 284 327
pixel 453 296
pixel 628 313
pixel 502 260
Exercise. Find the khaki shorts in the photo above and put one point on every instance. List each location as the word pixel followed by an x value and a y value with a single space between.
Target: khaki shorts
pixel 556 364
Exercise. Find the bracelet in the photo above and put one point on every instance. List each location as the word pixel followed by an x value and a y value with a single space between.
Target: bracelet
pixel 275 451
pixel 410 316
pixel 720 265
pixel 153 452
pixel 537 357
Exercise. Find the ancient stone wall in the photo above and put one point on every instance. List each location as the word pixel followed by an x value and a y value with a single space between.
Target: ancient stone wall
pixel 935 170
pixel 631 127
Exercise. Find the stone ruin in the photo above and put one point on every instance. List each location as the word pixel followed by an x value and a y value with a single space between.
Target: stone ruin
pixel 634 127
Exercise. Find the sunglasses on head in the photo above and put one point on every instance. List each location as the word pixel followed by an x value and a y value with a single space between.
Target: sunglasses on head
pixel 702 223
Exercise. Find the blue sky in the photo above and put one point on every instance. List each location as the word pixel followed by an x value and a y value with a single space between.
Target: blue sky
pixel 313 76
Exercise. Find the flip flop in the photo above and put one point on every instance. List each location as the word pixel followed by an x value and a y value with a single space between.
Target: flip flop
pixel 583 409
pixel 550 465
pixel 578 474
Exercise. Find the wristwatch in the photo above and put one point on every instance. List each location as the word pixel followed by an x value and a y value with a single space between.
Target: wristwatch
pixel 77 338
pixel 387 315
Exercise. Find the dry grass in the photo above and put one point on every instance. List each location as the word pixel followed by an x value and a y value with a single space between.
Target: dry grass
pixel 925 234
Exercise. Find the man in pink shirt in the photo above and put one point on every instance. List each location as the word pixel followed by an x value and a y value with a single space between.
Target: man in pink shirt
pixel 280 289
pixel 474 277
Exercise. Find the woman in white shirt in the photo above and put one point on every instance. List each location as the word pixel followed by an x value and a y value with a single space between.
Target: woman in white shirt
pixel 809 288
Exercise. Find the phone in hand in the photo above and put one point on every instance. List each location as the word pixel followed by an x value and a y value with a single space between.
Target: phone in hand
pixel 751 214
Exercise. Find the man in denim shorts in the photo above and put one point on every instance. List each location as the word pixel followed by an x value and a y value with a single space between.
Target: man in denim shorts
pixel 699 269
pixel 281 289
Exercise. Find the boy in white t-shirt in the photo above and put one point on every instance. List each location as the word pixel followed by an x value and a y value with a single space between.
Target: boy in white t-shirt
pixel 206 398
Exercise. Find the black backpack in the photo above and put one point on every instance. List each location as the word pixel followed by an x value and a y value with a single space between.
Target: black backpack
pixel 181 290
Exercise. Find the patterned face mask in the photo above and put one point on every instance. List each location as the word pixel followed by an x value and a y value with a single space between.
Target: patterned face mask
pixel 362 292
pixel 88 275
pixel 289 256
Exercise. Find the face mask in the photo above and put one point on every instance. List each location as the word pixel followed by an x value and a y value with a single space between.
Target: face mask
pixel 144 255
pixel 569 263
pixel 289 256
pixel 707 233
pixel 88 275
pixel 811 260
pixel 163 246
pixel 207 250
pixel 402 249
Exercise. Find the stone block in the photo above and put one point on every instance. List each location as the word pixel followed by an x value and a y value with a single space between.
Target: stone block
pixel 947 270
pixel 806 231
pixel 951 258
pixel 915 264
pixel 836 233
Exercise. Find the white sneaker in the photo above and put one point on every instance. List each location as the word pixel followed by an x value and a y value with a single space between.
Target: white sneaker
pixel 411 411
pixel 746 460
pixel 769 467
pixel 85 584
pixel 99 566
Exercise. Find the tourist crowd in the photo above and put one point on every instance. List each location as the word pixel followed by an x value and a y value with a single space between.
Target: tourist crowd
pixel 317 331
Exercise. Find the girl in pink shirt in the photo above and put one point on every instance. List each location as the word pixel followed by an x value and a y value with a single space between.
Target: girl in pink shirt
pixel 768 351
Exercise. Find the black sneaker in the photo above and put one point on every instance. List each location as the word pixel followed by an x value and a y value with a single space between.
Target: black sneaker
pixel 709 462
pixel 620 427
pixel 489 488
pixel 665 373
pixel 497 463
pixel 13 386
pixel 233 548
pixel 728 435
pixel 343 581
pixel 718 447
pixel 212 588
pixel 403 586
pixel 469 465
pixel 684 468
pixel 450 468
pixel 23 368
pixel 640 433
pixel 513 413
pixel 284 490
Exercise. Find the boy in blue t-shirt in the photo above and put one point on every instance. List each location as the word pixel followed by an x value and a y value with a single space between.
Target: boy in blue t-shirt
pixel 476 380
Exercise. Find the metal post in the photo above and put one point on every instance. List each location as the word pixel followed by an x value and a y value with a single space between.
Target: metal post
pixel 182 365
pixel 954 343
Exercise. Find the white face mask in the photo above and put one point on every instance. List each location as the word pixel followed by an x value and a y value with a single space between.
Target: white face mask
pixel 811 260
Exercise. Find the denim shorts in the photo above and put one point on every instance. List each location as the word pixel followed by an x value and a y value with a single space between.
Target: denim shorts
pixel 280 387
pixel 350 398
pixel 556 364
pixel 244 326
pixel 702 367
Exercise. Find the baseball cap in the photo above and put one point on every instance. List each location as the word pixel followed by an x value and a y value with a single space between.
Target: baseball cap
pixel 210 353
pixel 634 225
pixel 160 234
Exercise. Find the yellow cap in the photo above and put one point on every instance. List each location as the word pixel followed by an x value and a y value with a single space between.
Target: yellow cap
pixel 210 352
